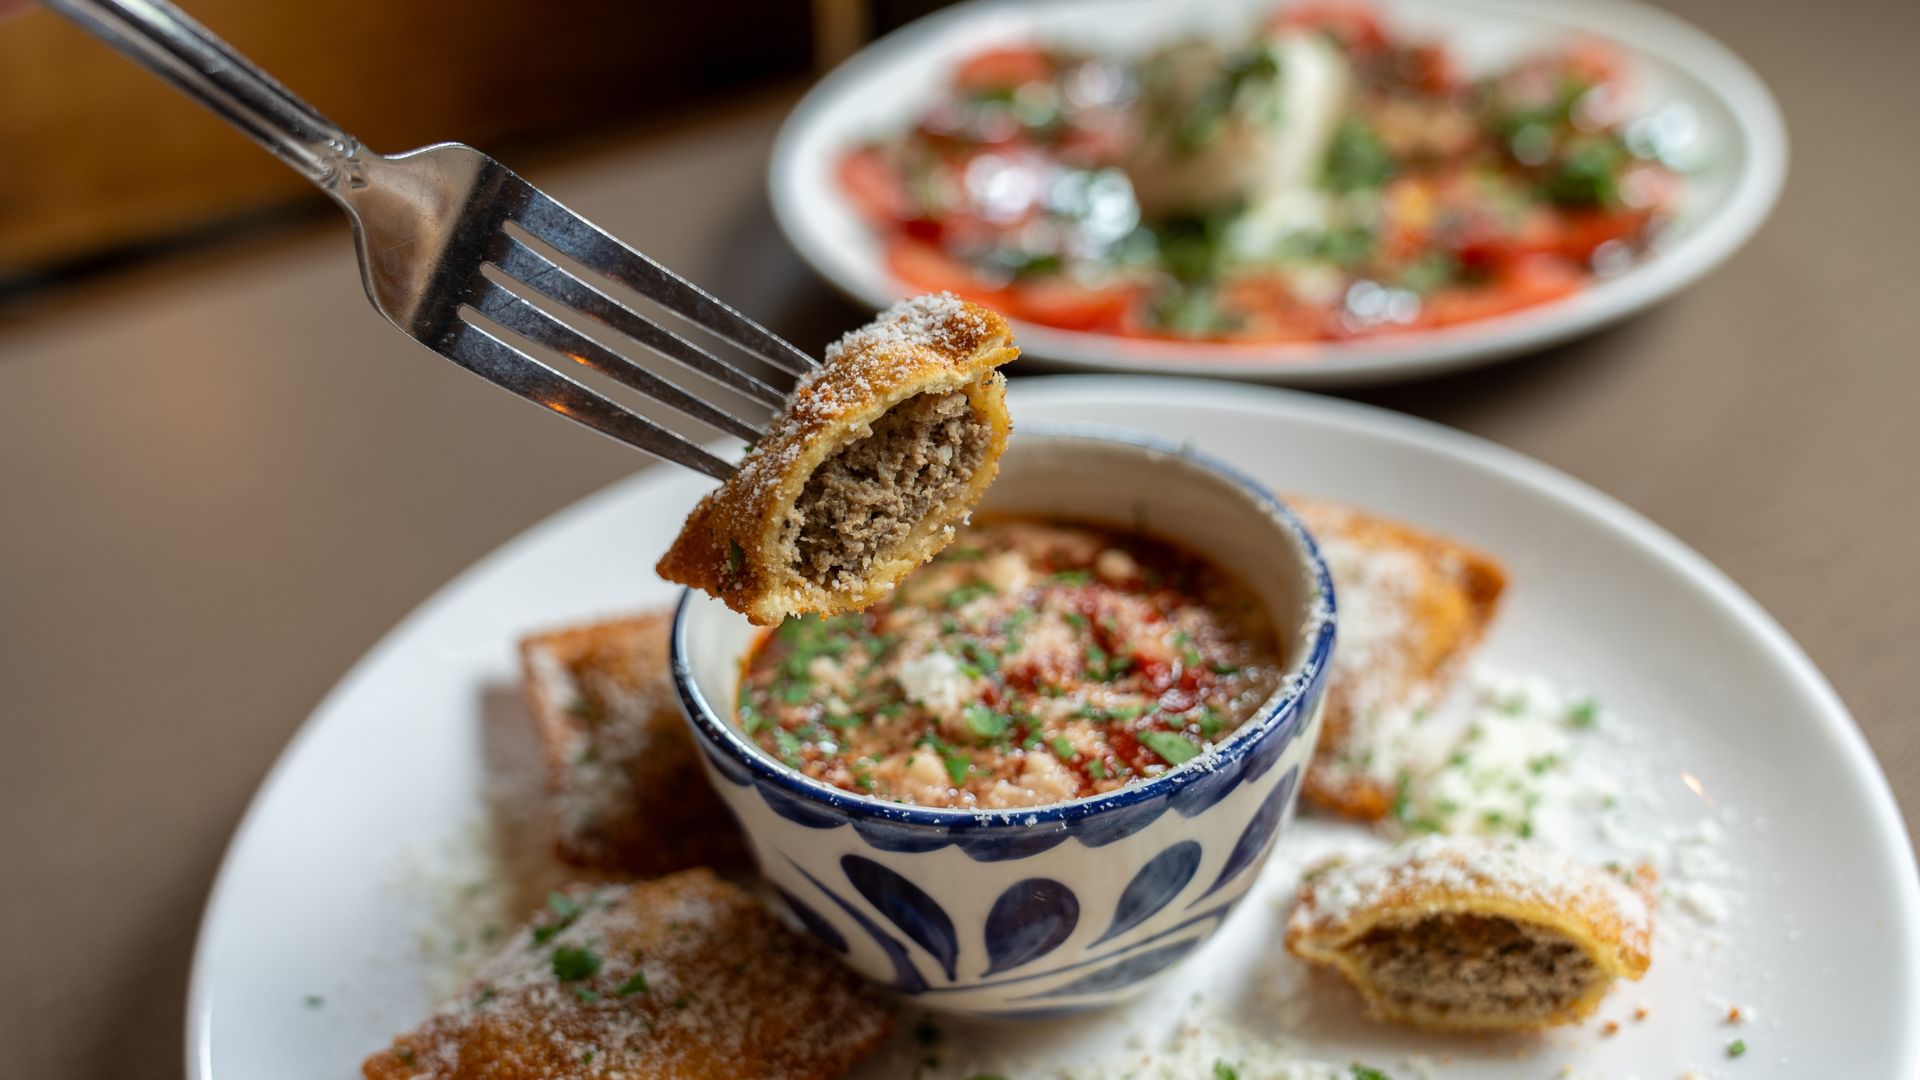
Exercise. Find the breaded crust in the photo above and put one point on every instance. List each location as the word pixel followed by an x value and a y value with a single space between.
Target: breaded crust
pixel 686 977
pixel 1413 606
pixel 731 545
pixel 1607 917
pixel 624 783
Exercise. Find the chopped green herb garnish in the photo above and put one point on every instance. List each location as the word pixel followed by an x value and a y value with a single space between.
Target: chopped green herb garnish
pixel 1362 1072
pixel 967 594
pixel 1356 158
pixel 1189 655
pixel 1430 272
pixel 1071 577
pixel 789 745
pixel 1589 171
pixel 1012 629
pixel 1174 748
pixel 632 986
pixel 1402 797
pixel 572 964
pixel 957 764
pixel 982 659
pixel 1224 1071
pixel 1097 769
pixel 315 1001
pixel 984 722
pixel 565 912
pixel 1063 749
pixel 1736 1048
pixel 1584 714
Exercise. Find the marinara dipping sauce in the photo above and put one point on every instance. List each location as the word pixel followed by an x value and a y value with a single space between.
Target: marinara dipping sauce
pixel 1034 661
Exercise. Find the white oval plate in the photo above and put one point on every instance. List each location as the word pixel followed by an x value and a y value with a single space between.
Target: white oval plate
pixel 882 87
pixel 372 821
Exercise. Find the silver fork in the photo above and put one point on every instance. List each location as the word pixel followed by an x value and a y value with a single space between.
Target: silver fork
pixel 427 223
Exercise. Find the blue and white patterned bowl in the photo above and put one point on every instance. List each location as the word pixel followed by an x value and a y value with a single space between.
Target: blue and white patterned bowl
pixel 1054 909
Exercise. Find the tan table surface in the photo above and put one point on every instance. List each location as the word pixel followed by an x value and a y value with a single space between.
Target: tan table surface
pixel 222 480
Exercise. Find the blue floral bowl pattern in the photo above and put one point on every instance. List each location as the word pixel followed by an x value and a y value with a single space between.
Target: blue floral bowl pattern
pixel 1055 909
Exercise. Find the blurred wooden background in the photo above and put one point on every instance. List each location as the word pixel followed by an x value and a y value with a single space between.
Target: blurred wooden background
pixel 98 160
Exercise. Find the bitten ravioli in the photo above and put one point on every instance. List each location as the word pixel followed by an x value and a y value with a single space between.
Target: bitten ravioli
pixel 1459 934
pixel 880 452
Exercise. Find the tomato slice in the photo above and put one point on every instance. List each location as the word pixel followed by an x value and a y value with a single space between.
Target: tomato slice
pixel 928 269
pixel 1003 69
pixel 874 186
pixel 1062 302
pixel 1524 282
pixel 1353 24
pixel 1580 234
pixel 1594 61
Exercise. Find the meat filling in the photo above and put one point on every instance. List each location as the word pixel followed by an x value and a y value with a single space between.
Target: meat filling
pixel 1476 964
pixel 868 496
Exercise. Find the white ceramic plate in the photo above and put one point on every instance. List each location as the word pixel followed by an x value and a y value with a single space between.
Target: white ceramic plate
pixel 374 821
pixel 881 88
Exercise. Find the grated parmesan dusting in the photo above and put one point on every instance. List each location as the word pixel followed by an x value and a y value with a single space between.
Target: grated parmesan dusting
pixel 598 787
pixel 624 789
pixel 861 356
pixel 1377 590
pixel 938 319
pixel 1502 753
pixel 1208 1042
pixel 660 979
pixel 1525 872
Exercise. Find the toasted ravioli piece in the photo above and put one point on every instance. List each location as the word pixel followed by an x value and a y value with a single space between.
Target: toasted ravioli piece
pixel 624 782
pixel 1461 934
pixel 879 453
pixel 685 977
pixel 1412 607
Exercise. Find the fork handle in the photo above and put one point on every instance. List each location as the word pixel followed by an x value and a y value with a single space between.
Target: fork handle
pixel 164 40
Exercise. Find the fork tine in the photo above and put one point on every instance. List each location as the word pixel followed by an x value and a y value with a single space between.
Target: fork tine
pixel 537 271
pixel 578 238
pixel 505 366
pixel 495 302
